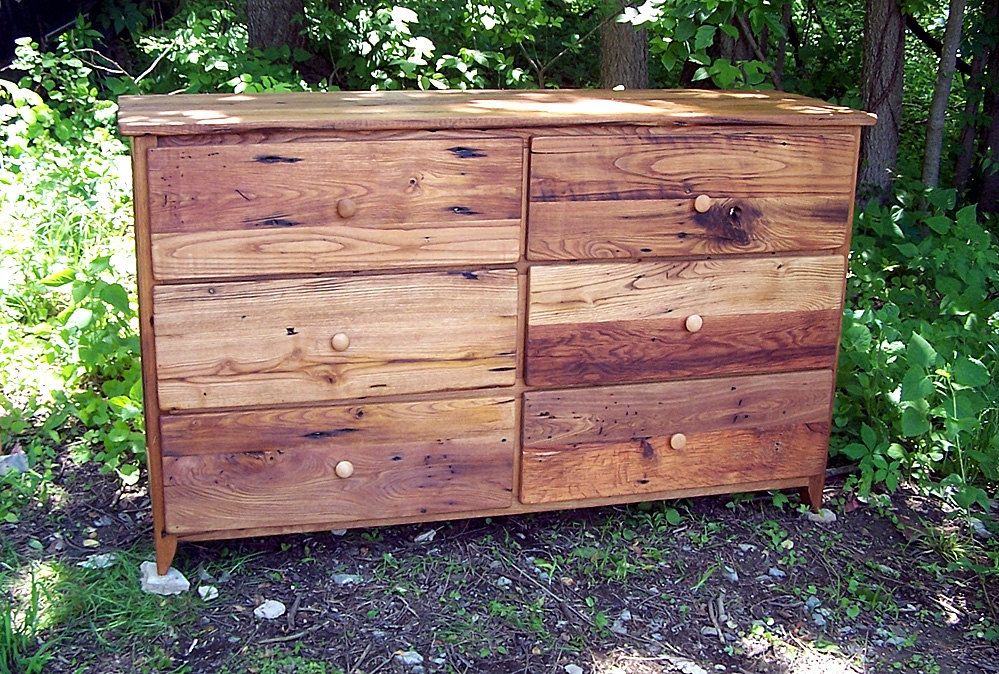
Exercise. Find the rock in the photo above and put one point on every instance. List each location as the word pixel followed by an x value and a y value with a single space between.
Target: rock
pixel 819 620
pixel 338 532
pixel 812 603
pixel 208 592
pixel 573 669
pixel 408 658
pixel 16 461
pixel 625 616
pixel 173 582
pixel 686 666
pixel 978 529
pixel 746 547
pixel 777 573
pixel 618 627
pixel 730 574
pixel 708 631
pixel 503 582
pixel 824 516
pixel 344 579
pixel 101 561
pixel 91 543
pixel 426 536
pixel 103 521
pixel 895 641
pixel 269 610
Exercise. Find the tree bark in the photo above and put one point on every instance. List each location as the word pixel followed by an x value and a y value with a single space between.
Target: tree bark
pixel 273 23
pixel 988 200
pixel 941 93
pixel 881 90
pixel 624 54
pixel 969 134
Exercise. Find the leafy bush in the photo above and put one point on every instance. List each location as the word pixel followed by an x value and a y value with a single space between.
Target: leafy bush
pixel 917 388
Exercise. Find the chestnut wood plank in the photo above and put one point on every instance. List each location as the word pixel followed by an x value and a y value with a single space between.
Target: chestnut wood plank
pixel 579 230
pixel 618 413
pixel 270 342
pixel 481 109
pixel 211 254
pixel 651 349
pixel 723 164
pixel 407 461
pixel 368 424
pixel 643 465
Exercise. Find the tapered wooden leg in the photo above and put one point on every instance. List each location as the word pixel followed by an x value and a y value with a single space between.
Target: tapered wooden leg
pixel 166 548
pixel 812 494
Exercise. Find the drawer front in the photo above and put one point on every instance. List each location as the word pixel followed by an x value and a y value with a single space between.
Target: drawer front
pixel 619 440
pixel 621 196
pixel 294 341
pixel 278 467
pixel 619 322
pixel 229 210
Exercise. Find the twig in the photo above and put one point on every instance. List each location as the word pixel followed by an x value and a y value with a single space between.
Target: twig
pixel 360 659
pixel 747 34
pixel 296 635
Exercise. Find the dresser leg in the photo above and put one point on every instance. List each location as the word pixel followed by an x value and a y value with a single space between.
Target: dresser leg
pixel 812 494
pixel 166 548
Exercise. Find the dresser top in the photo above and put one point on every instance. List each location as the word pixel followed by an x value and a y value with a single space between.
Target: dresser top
pixel 479 109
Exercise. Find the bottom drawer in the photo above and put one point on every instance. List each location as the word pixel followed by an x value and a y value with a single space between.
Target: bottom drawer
pixel 285 467
pixel 645 438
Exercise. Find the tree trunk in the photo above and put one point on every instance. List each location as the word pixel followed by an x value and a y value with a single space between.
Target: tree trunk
pixel 941 93
pixel 881 89
pixel 966 159
pixel 988 200
pixel 624 54
pixel 273 23
pixel 786 24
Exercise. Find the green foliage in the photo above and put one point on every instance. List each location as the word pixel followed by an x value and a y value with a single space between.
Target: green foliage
pixel 20 650
pixel 918 393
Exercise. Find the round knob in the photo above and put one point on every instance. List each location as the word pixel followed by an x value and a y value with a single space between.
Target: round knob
pixel 346 207
pixel 678 441
pixel 693 323
pixel 344 469
pixel 340 342
pixel 702 203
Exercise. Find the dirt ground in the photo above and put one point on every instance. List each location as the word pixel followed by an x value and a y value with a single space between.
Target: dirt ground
pixel 716 584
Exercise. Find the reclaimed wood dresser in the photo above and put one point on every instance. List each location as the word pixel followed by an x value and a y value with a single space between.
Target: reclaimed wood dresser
pixel 374 308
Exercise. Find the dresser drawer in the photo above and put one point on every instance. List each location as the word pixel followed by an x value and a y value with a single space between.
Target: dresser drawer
pixel 279 467
pixel 644 438
pixel 304 340
pixel 619 322
pixel 689 193
pixel 232 210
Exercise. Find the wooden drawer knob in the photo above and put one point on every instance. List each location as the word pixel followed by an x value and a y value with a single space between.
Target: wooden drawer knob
pixel 693 323
pixel 678 441
pixel 344 469
pixel 702 203
pixel 345 208
pixel 340 342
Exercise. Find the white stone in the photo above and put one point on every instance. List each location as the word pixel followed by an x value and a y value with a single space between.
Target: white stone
pixel 173 582
pixel 708 631
pixel 774 572
pixel 17 462
pixel 208 592
pixel 344 579
pixel 503 582
pixel 686 666
pixel 746 547
pixel 101 561
pixel 269 610
pixel 338 532
pixel 426 536
pixel 824 516
pixel 730 574
pixel 408 658
pixel 812 603
pixel 573 669
pixel 625 616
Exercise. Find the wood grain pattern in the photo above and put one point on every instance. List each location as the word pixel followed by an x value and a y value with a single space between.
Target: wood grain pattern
pixel 723 164
pixel 217 210
pixel 580 230
pixel 268 342
pixel 641 465
pixel 407 461
pixel 620 322
pixel 618 413
pixel 220 113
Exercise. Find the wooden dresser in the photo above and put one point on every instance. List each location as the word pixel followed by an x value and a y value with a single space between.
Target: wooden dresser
pixel 374 308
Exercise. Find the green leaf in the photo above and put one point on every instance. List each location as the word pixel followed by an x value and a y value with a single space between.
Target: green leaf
pixel 914 422
pixel 939 223
pixel 672 516
pixel 967 216
pixel 920 352
pixel 116 296
pixel 868 435
pixel 704 37
pixel 971 372
pixel 916 385
pixel 80 318
pixel 59 278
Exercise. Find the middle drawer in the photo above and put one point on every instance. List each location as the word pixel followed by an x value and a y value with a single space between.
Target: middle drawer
pixel 305 340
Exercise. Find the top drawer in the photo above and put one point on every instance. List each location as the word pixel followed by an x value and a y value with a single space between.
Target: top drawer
pixel 690 193
pixel 218 211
